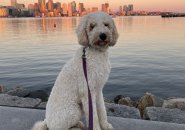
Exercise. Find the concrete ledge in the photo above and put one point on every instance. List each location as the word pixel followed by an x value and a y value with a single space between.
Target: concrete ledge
pixel 23 119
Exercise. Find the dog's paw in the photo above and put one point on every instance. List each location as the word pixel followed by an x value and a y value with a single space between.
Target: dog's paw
pixel 107 126
pixel 80 125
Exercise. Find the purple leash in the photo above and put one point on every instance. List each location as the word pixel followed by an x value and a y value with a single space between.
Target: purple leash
pixel 89 92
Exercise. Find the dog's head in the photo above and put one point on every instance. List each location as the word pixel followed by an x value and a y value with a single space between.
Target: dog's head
pixel 97 30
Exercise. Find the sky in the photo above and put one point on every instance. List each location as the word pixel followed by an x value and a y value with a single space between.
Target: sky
pixel 148 5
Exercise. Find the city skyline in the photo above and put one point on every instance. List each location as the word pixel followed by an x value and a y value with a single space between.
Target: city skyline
pixel 152 5
pixel 42 8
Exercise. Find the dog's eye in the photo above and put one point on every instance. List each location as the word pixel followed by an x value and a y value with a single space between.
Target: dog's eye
pixel 92 26
pixel 106 24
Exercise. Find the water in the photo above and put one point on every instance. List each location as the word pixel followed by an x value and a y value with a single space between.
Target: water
pixel 149 55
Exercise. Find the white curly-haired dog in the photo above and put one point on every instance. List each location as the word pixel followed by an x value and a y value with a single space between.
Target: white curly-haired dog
pixel 69 97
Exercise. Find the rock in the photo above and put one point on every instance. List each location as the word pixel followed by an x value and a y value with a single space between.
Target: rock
pixel 38 94
pixel 126 101
pixel 164 115
pixel 122 111
pixel 1 89
pixel 42 105
pixel 148 100
pixel 171 98
pixel 21 92
pixel 24 119
pixel 108 100
pixel 174 103
pixel 117 98
pixel 15 101
pixel 18 91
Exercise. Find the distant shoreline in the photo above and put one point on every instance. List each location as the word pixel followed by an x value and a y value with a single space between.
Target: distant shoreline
pixel 78 16
pixel 162 16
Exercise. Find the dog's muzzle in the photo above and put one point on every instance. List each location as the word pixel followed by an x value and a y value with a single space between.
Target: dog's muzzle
pixel 103 40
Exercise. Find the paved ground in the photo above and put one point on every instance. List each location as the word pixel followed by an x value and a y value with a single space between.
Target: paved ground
pixel 23 119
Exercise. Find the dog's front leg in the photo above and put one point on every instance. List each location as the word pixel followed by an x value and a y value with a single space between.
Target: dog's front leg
pixel 86 111
pixel 102 113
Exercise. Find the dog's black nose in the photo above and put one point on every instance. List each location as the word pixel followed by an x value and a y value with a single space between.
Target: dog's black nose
pixel 103 36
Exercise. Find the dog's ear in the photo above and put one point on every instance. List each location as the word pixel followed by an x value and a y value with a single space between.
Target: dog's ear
pixel 82 33
pixel 115 34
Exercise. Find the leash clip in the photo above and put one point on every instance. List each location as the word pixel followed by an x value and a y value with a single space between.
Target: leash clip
pixel 84 56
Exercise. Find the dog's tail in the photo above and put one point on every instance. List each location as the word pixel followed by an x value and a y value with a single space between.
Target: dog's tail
pixel 41 125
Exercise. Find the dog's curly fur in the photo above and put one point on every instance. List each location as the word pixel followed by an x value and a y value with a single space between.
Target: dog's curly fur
pixel 69 97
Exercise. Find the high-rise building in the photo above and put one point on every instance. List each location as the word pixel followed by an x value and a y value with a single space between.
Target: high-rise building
pixel 70 11
pixel 64 9
pixel 125 8
pixel 42 5
pixel 31 9
pixel 121 10
pixel 73 7
pixel 50 5
pixel 110 11
pixel 81 8
pixel 4 12
pixel 36 9
pixel 130 7
pixel 107 7
pixel 103 8
pixel 13 3
pixel 58 7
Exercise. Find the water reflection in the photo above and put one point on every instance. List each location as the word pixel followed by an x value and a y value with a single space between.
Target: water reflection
pixel 44 25
pixel 124 23
pixel 2 25
pixel 67 25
